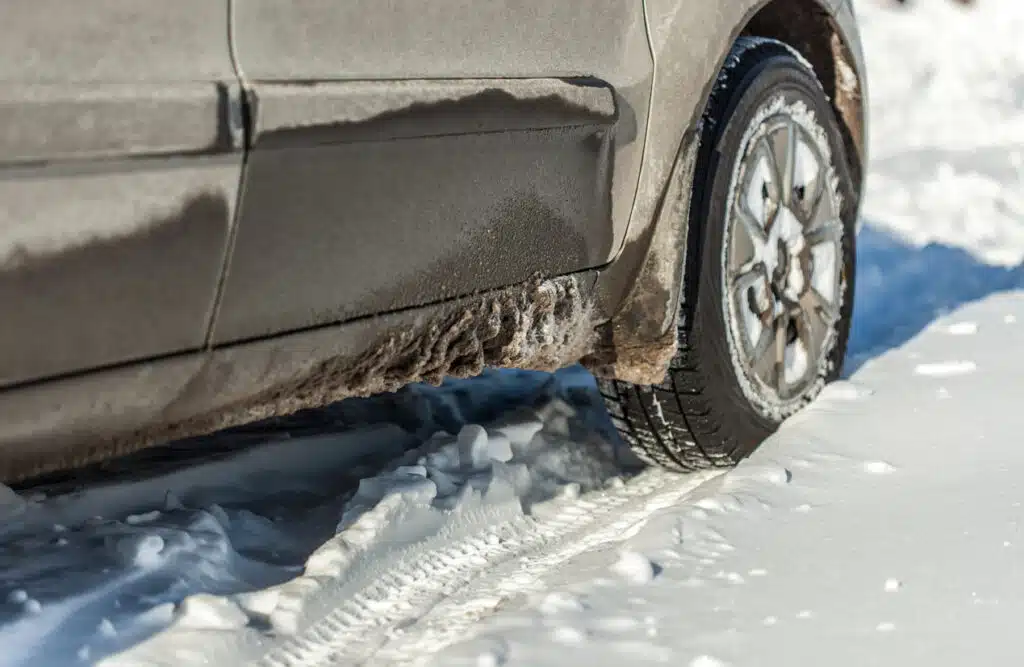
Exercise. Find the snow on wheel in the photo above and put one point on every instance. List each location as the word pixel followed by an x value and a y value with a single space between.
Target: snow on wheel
pixel 765 314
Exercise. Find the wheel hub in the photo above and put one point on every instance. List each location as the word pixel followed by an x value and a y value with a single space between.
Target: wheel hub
pixel 782 256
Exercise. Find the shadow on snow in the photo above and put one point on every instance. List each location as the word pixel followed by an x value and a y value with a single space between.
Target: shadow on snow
pixel 901 288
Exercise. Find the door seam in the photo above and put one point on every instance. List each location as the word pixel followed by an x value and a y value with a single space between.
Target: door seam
pixel 239 119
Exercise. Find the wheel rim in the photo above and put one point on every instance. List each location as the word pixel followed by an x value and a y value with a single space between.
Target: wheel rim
pixel 782 258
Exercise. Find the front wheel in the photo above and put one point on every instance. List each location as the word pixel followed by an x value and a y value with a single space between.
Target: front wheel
pixel 766 308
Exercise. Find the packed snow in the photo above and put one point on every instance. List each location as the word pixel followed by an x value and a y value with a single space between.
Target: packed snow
pixel 498 521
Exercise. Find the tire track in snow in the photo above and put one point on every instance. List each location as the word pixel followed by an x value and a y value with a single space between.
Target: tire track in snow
pixel 613 518
pixel 427 595
pixel 388 609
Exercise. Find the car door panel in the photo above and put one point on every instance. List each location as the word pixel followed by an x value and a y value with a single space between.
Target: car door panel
pixel 405 153
pixel 366 201
pixel 119 172
pixel 325 40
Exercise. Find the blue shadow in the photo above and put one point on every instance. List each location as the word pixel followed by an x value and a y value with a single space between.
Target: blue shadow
pixel 902 288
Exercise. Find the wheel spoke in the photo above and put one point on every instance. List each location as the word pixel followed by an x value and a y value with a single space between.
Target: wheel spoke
pixel 790 163
pixel 762 359
pixel 823 209
pixel 747 277
pixel 753 228
pixel 819 211
pixel 781 336
pixel 783 149
pixel 812 329
pixel 813 302
pixel 830 231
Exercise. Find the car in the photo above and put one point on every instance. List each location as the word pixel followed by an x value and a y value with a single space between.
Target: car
pixel 214 212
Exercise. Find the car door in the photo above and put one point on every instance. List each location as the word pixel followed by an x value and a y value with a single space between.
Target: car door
pixel 407 152
pixel 119 173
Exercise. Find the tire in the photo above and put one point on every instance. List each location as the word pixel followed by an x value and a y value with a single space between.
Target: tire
pixel 722 395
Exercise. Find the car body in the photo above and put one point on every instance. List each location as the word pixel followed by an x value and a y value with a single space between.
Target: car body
pixel 217 211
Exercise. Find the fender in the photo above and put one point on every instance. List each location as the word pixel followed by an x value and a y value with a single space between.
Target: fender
pixel 638 293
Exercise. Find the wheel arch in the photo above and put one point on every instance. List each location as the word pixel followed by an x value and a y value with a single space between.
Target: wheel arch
pixel 640 290
pixel 821 39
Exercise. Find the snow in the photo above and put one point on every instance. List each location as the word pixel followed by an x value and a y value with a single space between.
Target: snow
pixel 497 522
pixel 634 567
pixel 947 135
pixel 946 368
pixel 962 328
pixel 899 557
pixel 706 661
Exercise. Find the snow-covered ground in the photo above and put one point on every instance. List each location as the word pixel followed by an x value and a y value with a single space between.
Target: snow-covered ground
pixel 880 526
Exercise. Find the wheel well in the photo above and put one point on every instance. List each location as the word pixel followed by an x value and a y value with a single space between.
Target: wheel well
pixel 808 28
